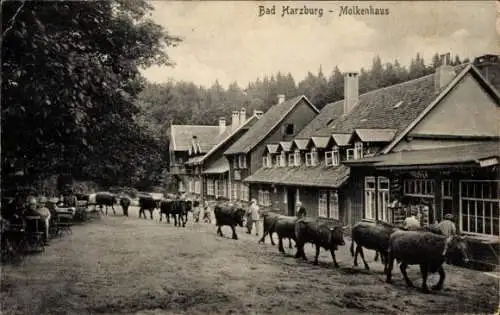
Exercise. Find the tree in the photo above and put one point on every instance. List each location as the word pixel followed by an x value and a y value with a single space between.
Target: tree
pixel 70 75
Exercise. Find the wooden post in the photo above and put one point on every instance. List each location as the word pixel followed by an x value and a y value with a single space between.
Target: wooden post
pixel 437 214
pixel 376 196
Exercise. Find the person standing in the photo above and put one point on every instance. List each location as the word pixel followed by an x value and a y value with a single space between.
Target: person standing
pixel 255 216
pixel 448 229
pixel 45 214
pixel 301 211
pixel 412 222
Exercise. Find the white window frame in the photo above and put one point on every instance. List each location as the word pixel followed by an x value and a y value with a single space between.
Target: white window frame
pixel 358 150
pixel 264 198
pixel 314 157
pixel 234 190
pixel 417 187
pixel 333 207
pixel 236 159
pixel 323 203
pixel 336 156
pixel 329 158
pixel 282 159
pixel 291 159
pixel 478 204
pixel 370 198
pixel 349 154
pixel 297 157
pixel 245 192
pixel 242 161
pixel 308 159
pixel 210 187
pixel 197 186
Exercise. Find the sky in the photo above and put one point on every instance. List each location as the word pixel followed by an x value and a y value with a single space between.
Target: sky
pixel 228 41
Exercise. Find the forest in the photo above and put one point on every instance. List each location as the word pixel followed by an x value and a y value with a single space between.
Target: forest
pixel 186 103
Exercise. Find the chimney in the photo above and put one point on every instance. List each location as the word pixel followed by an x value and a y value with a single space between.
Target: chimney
pixel 281 98
pixel 444 74
pixel 258 113
pixel 236 119
pixel 222 124
pixel 194 145
pixel 351 91
pixel 243 116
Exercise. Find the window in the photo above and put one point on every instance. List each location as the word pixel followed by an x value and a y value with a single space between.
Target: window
pixel 480 207
pixel 419 187
pixel 329 158
pixel 381 187
pixel 370 198
pixel 235 161
pixel 297 157
pixel 314 157
pixel 289 129
pixel 336 156
pixel 267 161
pixel 358 150
pixel 190 185
pixel 297 196
pixel 323 204
pixel 308 159
pixel 210 187
pixel 350 154
pixel 242 159
pixel 245 192
pixel 334 205
pixel 291 159
pixel 264 199
pixel 197 186
pixel 446 197
pixel 282 160
pixel 285 195
pixel 235 187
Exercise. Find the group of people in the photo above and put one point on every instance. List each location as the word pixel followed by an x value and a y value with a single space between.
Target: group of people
pixel 21 210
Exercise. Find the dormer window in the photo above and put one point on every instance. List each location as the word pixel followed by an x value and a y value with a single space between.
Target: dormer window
pixel 235 162
pixel 358 150
pixel 291 159
pixel 312 157
pixel 242 161
pixel 282 159
pixel 332 158
pixel 289 129
pixel 297 157
pixel 267 161
pixel 349 154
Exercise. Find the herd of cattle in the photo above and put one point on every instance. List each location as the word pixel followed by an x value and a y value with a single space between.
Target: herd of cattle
pixel 424 247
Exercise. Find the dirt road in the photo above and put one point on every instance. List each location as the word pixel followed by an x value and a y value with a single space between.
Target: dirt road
pixel 132 266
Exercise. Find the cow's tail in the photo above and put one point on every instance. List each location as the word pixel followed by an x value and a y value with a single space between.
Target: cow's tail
pixel 352 248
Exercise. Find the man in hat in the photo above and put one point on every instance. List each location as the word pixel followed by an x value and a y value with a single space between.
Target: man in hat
pixel 301 211
pixel 253 217
pixel 448 229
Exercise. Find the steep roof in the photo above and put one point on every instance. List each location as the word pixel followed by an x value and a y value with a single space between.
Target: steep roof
pixel 327 114
pixel 228 134
pixel 301 144
pixel 375 135
pixel 266 124
pixel 312 176
pixel 181 136
pixel 320 142
pixel 272 148
pixel 285 146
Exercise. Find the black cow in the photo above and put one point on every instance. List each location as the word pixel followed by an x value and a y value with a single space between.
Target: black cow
pixel 147 203
pixel 230 216
pixel 371 235
pixel 125 203
pixel 178 209
pixel 424 249
pixel 284 226
pixel 268 220
pixel 166 207
pixel 106 199
pixel 321 234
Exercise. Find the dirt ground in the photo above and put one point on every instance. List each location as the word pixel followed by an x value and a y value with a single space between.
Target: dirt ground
pixel 136 266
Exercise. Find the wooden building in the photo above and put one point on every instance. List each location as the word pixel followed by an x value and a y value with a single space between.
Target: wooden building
pixel 281 122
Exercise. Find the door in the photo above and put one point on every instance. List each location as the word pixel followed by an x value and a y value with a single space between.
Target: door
pixel 291 201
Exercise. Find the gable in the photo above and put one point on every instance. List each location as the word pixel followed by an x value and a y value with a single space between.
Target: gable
pixel 468 110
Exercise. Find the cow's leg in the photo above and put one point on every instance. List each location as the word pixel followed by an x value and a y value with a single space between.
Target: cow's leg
pixel 376 256
pixel 151 214
pixel 403 267
pixel 280 244
pixel 262 239
pixel 106 209
pixel 290 243
pixel 185 220
pixel 333 258
pixel 317 254
pixel 388 267
pixel 442 276
pixel 113 208
pixel 168 217
pixel 219 231
pixel 175 219
pixel 355 253
pixel 271 238
pixel 423 273
pixel 300 250
pixel 161 215
pixel 359 249
pixel 235 237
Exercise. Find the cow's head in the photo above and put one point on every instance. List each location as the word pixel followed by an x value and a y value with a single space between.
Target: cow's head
pixel 336 236
pixel 457 248
pixel 239 215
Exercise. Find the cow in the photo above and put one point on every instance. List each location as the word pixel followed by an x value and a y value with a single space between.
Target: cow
pixel 125 203
pixel 166 207
pixel 147 203
pixel 105 199
pixel 230 216
pixel 268 220
pixel 425 249
pixel 321 234
pixel 371 235
pixel 284 226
